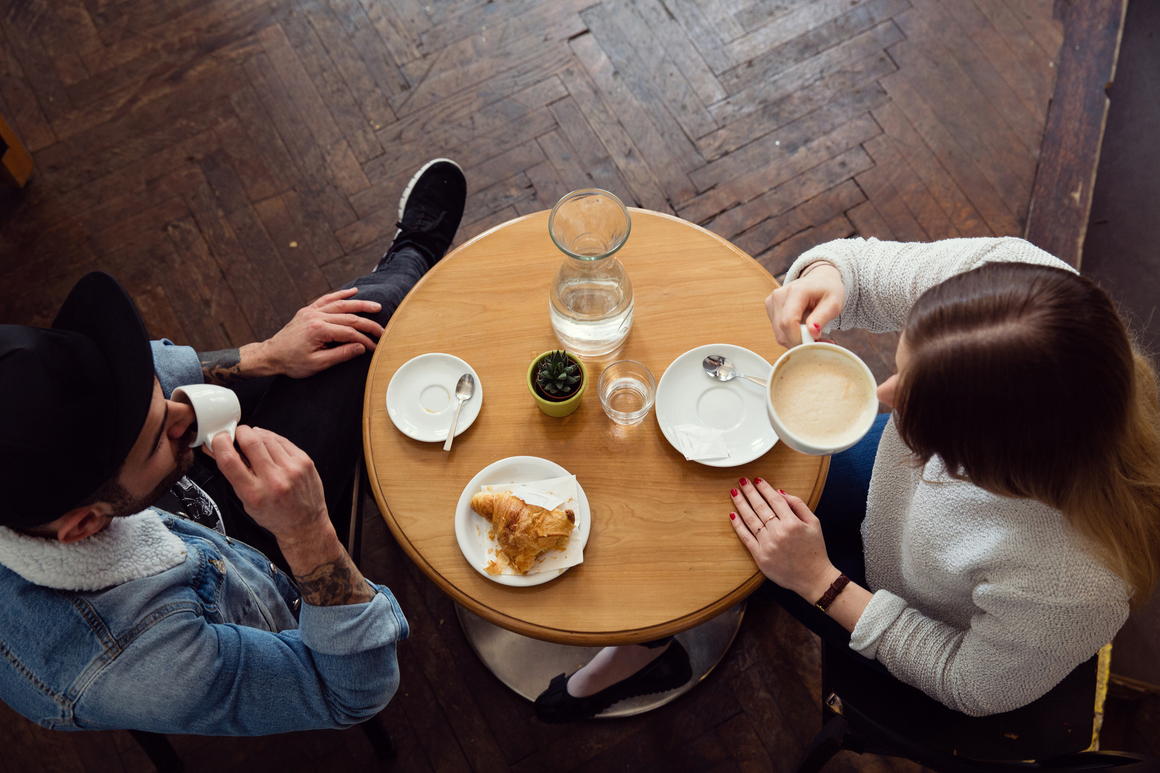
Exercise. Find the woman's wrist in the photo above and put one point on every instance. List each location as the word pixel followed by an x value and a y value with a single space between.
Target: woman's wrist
pixel 816 265
pixel 819 584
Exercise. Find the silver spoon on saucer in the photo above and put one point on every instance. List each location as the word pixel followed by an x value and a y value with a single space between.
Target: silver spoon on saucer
pixel 463 392
pixel 722 369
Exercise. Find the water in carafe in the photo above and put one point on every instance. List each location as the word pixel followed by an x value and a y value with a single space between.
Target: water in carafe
pixel 591 306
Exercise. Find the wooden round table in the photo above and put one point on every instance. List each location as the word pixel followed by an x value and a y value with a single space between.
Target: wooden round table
pixel 662 556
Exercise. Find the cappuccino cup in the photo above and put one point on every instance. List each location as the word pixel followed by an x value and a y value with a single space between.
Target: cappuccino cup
pixel 215 408
pixel 821 398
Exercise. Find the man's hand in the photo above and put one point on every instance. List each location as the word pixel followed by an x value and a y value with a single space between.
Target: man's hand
pixel 276 481
pixel 281 490
pixel 303 347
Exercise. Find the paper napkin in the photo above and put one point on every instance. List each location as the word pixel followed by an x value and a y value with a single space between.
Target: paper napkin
pixel 560 493
pixel 699 443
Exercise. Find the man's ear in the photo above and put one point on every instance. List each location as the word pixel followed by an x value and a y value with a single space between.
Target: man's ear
pixel 80 523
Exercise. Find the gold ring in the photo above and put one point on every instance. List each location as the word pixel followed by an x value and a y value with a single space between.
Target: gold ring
pixel 759 528
pixel 768 520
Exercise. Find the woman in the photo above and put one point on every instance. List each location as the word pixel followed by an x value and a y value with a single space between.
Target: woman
pixel 1008 513
pixel 999 524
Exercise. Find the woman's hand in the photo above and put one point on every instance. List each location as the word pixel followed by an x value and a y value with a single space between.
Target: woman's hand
pixel 820 294
pixel 784 537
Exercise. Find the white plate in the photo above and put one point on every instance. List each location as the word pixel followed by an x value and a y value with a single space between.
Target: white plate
pixel 688 395
pixel 515 469
pixel 421 397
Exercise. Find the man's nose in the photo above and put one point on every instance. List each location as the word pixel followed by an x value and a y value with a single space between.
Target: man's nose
pixel 181 418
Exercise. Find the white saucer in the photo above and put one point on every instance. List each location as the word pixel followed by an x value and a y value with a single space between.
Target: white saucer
pixel 515 469
pixel 688 395
pixel 421 397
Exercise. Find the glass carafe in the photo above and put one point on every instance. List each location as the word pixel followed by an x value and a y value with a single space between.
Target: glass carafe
pixel 590 302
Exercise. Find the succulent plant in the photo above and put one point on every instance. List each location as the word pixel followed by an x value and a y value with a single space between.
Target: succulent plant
pixel 558 375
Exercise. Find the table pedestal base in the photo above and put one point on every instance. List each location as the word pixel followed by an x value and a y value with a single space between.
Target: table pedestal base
pixel 527 665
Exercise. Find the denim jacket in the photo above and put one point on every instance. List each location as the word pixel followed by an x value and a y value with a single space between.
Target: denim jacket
pixel 156 623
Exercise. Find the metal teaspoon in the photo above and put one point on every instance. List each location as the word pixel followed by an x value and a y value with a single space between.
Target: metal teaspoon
pixel 721 368
pixel 463 392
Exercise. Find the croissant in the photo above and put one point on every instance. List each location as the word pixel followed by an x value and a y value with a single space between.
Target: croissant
pixel 524 532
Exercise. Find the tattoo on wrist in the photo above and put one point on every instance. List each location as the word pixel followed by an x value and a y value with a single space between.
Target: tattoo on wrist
pixel 222 367
pixel 333 584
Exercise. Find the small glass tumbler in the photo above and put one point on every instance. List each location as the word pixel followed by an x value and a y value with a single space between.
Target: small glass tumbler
pixel 627 390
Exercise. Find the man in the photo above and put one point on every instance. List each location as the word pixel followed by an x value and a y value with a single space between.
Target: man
pixel 119 609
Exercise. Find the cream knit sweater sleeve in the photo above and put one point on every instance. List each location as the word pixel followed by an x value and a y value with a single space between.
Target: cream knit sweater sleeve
pixel 884 279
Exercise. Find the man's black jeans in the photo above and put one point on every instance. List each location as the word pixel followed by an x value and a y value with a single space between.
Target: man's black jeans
pixel 321 414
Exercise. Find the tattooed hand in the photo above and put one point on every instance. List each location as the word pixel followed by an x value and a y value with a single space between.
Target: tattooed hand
pixel 323 334
pixel 280 489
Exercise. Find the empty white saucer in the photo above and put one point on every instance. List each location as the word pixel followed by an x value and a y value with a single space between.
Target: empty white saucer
pixel 421 397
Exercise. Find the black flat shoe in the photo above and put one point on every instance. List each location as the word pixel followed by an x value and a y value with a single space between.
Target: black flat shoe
pixel 668 672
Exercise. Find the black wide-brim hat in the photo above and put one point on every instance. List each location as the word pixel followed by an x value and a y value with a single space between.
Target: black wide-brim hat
pixel 73 400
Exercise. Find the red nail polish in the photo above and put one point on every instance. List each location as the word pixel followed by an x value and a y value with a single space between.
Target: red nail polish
pixel 733 516
pixel 816 326
pixel 756 481
pixel 744 482
pixel 781 492
pixel 733 491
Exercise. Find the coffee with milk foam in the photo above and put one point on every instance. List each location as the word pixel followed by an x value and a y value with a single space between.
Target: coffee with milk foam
pixel 823 397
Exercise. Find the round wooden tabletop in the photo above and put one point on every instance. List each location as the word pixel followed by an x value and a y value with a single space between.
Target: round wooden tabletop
pixel 662 556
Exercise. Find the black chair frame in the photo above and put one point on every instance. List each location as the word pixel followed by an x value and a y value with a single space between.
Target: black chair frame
pixel 856 697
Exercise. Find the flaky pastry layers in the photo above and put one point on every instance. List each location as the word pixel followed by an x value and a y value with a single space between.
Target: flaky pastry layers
pixel 524 532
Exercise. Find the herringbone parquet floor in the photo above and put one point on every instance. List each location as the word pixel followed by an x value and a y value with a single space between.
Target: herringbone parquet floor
pixel 229 160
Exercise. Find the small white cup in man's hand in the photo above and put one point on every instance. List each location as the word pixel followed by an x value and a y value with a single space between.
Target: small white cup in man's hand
pixel 215 408
pixel 821 398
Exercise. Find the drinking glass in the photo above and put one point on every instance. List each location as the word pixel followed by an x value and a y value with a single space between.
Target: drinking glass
pixel 627 390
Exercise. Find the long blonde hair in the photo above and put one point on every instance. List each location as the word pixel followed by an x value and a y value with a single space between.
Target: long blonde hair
pixel 1024 380
pixel 1121 513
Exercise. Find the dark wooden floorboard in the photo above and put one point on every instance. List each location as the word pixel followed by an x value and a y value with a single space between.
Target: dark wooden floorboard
pixel 230 160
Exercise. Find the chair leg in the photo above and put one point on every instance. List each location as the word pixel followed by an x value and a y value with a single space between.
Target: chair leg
pixel 354 535
pixel 159 751
pixel 825 745
pixel 381 740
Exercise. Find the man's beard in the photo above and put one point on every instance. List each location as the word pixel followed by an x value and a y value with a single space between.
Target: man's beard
pixel 124 504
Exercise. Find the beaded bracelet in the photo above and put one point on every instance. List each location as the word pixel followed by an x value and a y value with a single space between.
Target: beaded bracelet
pixel 832 593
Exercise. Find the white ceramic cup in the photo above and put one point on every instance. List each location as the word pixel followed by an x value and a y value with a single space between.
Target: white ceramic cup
pixel 809 348
pixel 217 410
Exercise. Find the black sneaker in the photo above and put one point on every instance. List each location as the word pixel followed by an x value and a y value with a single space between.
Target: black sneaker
pixel 430 211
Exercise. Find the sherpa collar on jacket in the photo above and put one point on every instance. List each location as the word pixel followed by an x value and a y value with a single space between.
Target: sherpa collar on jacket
pixel 127 549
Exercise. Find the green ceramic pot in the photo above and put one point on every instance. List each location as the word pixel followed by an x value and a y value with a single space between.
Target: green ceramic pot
pixel 557 408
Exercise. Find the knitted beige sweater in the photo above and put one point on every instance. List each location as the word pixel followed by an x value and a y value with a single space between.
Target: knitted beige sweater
pixel 982 602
